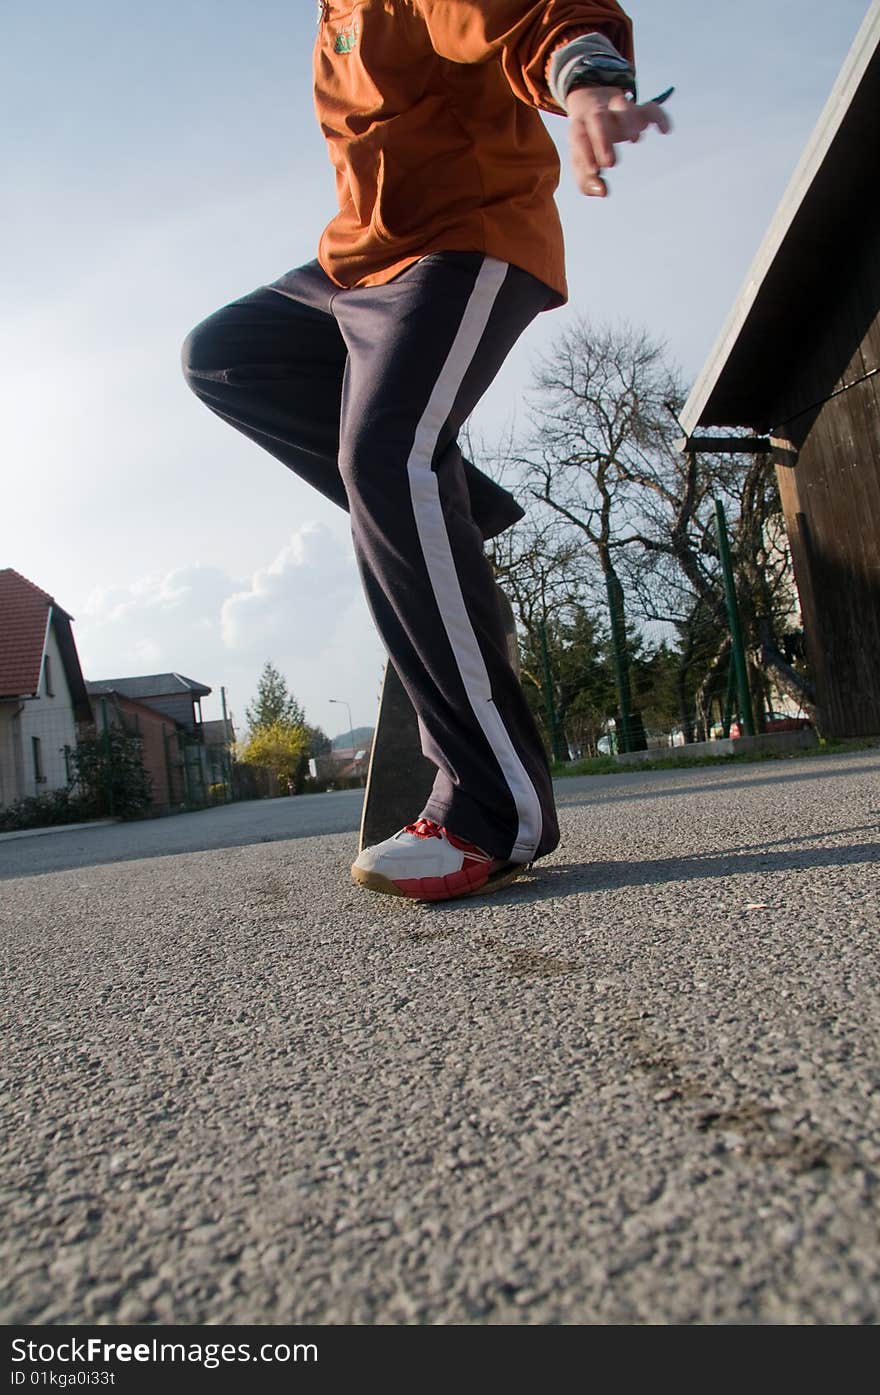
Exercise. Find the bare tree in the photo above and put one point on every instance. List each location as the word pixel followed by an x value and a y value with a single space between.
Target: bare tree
pixel 546 576
pixel 601 458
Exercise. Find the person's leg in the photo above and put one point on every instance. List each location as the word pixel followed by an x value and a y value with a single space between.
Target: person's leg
pixel 422 350
pixel 272 363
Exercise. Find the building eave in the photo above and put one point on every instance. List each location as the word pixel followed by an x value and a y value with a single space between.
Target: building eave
pixel 60 622
pixel 723 393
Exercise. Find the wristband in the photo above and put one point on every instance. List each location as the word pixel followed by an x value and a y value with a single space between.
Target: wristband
pixel 600 72
pixel 591 60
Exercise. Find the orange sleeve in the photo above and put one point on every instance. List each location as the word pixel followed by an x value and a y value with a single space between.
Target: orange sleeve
pixel 524 35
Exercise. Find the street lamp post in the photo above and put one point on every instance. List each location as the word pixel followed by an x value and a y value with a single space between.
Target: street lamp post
pixel 342 703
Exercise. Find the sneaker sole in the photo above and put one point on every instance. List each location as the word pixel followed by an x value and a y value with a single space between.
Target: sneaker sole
pixel 374 881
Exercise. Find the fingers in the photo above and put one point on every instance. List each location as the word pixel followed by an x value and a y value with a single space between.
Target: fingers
pixel 650 114
pixel 624 119
pixel 585 166
pixel 631 118
pixel 591 140
pixel 660 118
pixel 598 129
pixel 599 119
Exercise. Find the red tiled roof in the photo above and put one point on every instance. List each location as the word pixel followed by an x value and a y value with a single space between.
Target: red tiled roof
pixel 24 613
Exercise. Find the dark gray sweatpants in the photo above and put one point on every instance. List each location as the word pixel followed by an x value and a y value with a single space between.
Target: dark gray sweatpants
pixel 362 393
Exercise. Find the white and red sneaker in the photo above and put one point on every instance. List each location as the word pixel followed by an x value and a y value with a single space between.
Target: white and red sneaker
pixel 428 863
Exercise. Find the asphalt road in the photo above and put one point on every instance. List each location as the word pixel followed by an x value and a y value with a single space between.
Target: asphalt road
pixel 639 1087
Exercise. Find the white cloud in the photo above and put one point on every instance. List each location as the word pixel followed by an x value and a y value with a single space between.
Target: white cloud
pixel 304 610
pixel 296 600
pixel 188 597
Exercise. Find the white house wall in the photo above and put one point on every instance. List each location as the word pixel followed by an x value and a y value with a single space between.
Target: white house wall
pixel 51 719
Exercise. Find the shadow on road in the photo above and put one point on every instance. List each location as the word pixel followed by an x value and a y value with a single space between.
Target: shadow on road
pixel 573 878
pixel 611 791
pixel 549 880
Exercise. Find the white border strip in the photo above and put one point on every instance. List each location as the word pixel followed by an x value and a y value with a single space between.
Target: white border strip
pixel 434 539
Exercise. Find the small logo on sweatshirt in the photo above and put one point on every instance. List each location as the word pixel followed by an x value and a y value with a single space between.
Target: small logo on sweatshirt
pixel 346 39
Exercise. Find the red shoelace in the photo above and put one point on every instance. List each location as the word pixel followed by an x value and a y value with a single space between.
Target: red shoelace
pixel 427 828
pixel 424 828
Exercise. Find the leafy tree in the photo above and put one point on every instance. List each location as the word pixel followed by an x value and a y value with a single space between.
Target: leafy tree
pixel 278 746
pixel 273 702
pixel 279 738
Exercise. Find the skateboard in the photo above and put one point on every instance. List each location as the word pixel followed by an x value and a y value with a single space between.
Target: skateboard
pixel 400 778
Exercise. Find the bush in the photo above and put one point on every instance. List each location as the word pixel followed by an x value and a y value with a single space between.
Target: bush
pixel 109 771
pixel 216 794
pixel 45 810
pixel 109 781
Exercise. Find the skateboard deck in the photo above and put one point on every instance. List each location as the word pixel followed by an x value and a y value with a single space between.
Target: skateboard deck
pixel 400 778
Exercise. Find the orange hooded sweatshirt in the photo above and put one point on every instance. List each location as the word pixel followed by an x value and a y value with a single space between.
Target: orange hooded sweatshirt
pixel 430 113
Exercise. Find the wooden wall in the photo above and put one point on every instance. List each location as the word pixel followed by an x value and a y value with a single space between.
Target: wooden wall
pixel 831 497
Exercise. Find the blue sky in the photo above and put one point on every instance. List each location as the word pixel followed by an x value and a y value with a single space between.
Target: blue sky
pixel 160 160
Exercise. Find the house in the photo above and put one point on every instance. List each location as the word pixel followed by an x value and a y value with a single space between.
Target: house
pixel 178 700
pixel 798 366
pixel 178 697
pixel 42 693
pixel 344 765
pixel 159 740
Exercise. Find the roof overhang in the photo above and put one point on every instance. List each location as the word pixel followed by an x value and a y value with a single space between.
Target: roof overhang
pixel 61 624
pixel 814 222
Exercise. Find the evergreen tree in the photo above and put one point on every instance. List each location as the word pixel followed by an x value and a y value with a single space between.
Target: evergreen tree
pixel 319 741
pixel 583 679
pixel 273 703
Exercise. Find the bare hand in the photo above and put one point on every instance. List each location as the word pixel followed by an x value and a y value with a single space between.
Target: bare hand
pixel 599 119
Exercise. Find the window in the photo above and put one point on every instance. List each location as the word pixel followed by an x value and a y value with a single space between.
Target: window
pixel 37 748
pixel 47 672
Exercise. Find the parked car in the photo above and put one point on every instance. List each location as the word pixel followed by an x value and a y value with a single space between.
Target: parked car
pixel 777 721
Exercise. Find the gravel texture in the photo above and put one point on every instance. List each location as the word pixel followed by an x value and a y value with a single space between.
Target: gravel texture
pixel 640 1086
